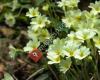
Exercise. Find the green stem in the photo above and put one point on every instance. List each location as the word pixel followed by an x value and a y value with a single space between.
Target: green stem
pixel 84 71
pixel 91 44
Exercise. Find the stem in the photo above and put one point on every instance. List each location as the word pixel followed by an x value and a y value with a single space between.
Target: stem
pixel 95 56
pixel 53 72
pixel 50 68
pixel 34 74
pixel 85 70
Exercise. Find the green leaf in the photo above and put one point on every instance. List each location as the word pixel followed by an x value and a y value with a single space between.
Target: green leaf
pixel 13 53
pixel 65 65
pixel 43 77
pixel 38 2
pixel 7 76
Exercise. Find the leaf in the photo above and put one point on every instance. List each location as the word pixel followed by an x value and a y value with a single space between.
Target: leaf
pixel 43 77
pixel 38 2
pixel 65 65
pixel 7 76
pixel 13 53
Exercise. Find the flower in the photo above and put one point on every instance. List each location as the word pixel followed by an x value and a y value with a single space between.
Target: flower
pixel 68 3
pixel 57 46
pixel 33 12
pixel 81 53
pixel 39 22
pixel 85 34
pixel 45 7
pixel 32 44
pixel 40 34
pixel 72 18
pixel 53 57
pixel 15 4
pixel 55 51
pixel 72 36
pixel 43 35
pixel 62 3
pixel 99 52
pixel 95 7
pixel 10 19
pixel 70 48
pixel 97 42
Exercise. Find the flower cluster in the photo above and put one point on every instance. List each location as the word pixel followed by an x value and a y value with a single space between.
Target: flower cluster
pixel 83 26
pixel 37 31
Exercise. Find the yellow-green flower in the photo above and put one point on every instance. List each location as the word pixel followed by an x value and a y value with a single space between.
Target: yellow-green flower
pixel 97 42
pixel 62 3
pixel 81 53
pixel 57 46
pixel 99 52
pixel 53 57
pixel 72 18
pixel 10 19
pixel 68 3
pixel 55 51
pixel 43 35
pixel 15 4
pixel 72 36
pixel 32 44
pixel 33 12
pixel 95 7
pixel 85 34
pixel 39 22
pixel 45 7
pixel 70 48
pixel 40 34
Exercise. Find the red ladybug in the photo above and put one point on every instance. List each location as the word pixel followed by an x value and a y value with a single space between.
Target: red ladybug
pixel 35 55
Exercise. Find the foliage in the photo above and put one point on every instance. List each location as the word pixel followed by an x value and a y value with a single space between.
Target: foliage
pixel 82 27
pixel 67 37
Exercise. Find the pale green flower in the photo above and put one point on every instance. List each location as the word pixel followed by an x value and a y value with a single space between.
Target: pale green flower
pixel 65 65
pixel 10 19
pixel 33 12
pixel 55 51
pixel 81 53
pixel 32 44
pixel 45 7
pixel 88 15
pixel 57 46
pixel 62 3
pixel 97 42
pixel 15 4
pixel 43 35
pixel 85 34
pixel 73 18
pixel 97 26
pixel 99 52
pixel 89 20
pixel 32 34
pixel 87 24
pixel 95 7
pixel 70 47
pixel 68 3
pixel 53 57
pixel 39 22
pixel 72 36
pixel 40 34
